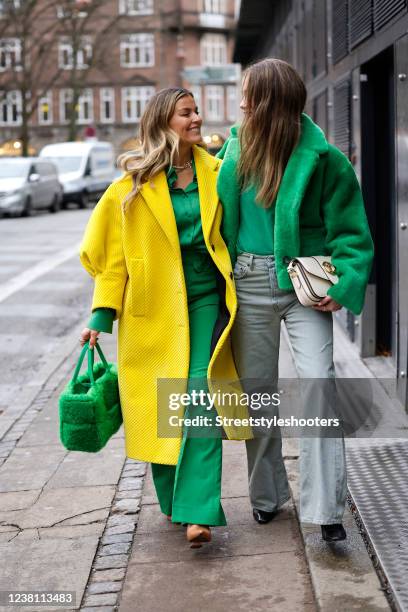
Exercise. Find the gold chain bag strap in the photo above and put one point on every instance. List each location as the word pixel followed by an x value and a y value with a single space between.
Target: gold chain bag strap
pixel 312 277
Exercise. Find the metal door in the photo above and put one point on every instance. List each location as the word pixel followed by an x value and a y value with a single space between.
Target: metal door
pixel 401 76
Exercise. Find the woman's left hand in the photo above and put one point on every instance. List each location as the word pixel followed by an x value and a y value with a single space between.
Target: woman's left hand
pixel 327 304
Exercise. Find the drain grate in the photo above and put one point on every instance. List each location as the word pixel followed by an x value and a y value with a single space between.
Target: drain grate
pixel 378 482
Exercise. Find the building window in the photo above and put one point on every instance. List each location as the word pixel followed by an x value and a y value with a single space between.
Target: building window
pixel 232 103
pixel 134 100
pixel 107 104
pixel 216 7
pixel 73 11
pixel 45 109
pixel 83 108
pixel 137 50
pixel 214 103
pixel 10 53
pixel 135 7
pixel 10 108
pixel 9 6
pixel 196 91
pixel 213 49
pixel 66 54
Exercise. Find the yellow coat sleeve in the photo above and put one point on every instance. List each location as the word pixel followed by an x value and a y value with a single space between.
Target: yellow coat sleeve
pixel 101 252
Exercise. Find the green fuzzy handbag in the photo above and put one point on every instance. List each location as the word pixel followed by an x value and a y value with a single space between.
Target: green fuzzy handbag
pixel 89 406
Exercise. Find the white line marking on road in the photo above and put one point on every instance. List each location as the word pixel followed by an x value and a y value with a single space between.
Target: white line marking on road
pixel 41 268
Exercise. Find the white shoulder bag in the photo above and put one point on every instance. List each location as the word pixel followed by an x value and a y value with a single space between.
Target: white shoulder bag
pixel 312 277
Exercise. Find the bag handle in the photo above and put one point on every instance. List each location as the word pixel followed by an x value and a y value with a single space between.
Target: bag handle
pixel 91 358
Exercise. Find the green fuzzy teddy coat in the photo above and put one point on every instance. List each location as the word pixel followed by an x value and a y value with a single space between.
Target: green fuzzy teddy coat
pixel 319 211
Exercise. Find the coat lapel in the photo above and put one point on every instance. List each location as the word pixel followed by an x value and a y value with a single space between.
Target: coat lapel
pixel 206 167
pixel 157 196
pixel 299 170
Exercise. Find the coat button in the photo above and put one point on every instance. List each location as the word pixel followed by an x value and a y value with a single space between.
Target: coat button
pixel 213 247
pixel 231 275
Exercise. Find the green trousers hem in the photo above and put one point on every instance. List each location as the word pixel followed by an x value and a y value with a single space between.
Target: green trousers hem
pixel 203 516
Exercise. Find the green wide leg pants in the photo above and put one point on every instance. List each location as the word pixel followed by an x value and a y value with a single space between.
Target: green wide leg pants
pixel 191 491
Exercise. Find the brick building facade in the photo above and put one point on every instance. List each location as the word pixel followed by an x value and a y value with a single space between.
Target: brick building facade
pixel 115 53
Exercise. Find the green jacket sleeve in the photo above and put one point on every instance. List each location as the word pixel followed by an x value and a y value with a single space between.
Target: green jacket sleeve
pixel 102 320
pixel 348 236
pixel 228 192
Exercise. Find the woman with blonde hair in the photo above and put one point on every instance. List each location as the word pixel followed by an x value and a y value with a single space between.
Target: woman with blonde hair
pixel 287 192
pixel 154 247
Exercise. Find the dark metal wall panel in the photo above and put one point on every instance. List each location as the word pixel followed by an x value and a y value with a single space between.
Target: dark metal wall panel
pixel 340 29
pixel 319 38
pixel 320 111
pixel 342 116
pixel 360 21
pixel 308 50
pixel 386 10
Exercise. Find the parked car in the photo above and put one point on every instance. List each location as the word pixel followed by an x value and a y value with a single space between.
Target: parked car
pixel 85 169
pixel 28 183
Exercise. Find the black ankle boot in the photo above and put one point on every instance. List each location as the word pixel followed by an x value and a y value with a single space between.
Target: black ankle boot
pixel 263 517
pixel 333 533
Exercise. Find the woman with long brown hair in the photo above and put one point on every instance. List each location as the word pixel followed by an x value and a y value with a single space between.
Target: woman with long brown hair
pixel 286 192
pixel 161 268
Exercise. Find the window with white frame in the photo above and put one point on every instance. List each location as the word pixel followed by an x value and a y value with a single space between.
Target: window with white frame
pixel 83 108
pixel 134 100
pixel 196 91
pixel 213 49
pixel 214 103
pixel 232 103
pixel 135 7
pixel 45 109
pixel 10 53
pixel 137 50
pixel 107 104
pixel 9 6
pixel 66 12
pixel 216 7
pixel 10 108
pixel 65 102
pixel 66 54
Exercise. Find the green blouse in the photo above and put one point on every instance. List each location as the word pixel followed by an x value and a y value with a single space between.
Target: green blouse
pixel 256 225
pixel 186 206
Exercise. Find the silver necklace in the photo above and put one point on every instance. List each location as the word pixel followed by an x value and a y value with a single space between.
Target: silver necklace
pixel 188 164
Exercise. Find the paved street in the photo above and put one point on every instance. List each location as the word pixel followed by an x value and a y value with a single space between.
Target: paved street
pixel 40 302
pixel 90 523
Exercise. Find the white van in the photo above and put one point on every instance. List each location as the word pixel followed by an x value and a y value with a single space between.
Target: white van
pixel 85 169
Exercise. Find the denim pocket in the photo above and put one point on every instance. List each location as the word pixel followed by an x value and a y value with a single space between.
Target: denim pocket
pixel 240 270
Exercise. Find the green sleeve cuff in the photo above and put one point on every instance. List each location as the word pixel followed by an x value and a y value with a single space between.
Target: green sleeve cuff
pixel 102 319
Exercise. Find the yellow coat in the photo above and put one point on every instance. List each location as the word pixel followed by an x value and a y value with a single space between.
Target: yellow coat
pixel 135 259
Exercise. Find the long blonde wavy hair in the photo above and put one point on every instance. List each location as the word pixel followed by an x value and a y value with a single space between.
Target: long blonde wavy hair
pixel 159 143
pixel 275 97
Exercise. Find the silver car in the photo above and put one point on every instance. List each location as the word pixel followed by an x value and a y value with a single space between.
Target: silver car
pixel 28 183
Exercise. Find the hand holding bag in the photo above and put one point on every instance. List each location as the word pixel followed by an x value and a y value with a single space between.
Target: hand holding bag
pixel 312 277
pixel 89 406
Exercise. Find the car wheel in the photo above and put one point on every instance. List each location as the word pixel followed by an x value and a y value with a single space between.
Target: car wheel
pixel 27 210
pixel 56 204
pixel 84 200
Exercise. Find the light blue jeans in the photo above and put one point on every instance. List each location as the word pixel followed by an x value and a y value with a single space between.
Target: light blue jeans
pixel 255 342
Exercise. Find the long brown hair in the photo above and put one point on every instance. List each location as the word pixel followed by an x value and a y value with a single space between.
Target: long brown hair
pixel 275 98
pixel 159 143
